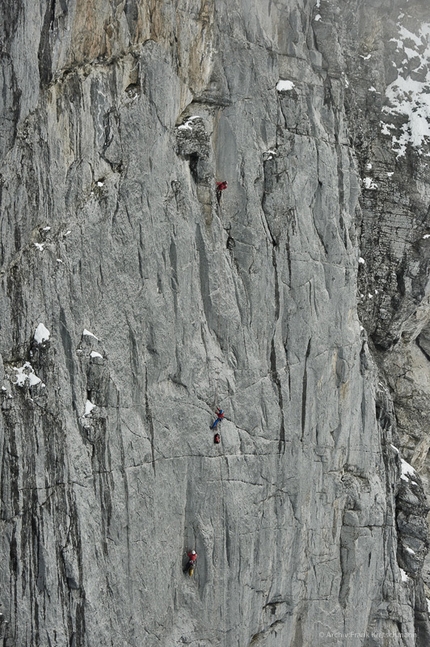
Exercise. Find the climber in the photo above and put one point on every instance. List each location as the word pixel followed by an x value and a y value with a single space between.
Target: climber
pixel 220 187
pixel 220 417
pixel 192 559
pixel 217 439
pixel 192 555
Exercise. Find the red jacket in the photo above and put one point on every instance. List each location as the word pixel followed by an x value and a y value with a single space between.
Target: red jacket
pixel 221 185
pixel 191 556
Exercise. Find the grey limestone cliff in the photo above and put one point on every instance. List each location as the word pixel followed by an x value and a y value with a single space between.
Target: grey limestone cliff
pixel 134 300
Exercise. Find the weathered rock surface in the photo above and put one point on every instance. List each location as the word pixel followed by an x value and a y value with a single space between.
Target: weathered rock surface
pixel 158 303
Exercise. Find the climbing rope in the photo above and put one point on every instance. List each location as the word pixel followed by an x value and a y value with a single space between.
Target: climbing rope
pixel 219 526
pixel 220 187
pixel 220 566
pixel 217 370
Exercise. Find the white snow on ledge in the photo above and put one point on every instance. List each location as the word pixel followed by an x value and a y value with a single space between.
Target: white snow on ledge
pixel 95 354
pixel 25 374
pixel 270 154
pixel 89 406
pixel 368 183
pixel 284 86
pixel 408 471
pixel 41 334
pixel 188 124
pixel 404 576
pixel 89 334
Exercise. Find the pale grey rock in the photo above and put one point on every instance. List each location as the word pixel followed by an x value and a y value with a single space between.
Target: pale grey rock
pixel 162 303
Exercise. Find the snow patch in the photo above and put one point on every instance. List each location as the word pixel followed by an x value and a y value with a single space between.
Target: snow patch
pixel 408 97
pixel 39 246
pixel 408 471
pixel 405 34
pixel 409 550
pixel 361 260
pixel 284 86
pixel 385 130
pixel 270 154
pixel 404 576
pixel 89 406
pixel 41 334
pixel 95 354
pixel 426 236
pixel 368 183
pixel 188 125
pixel 89 334
pixel 317 17
pixel 25 375
pixel 395 449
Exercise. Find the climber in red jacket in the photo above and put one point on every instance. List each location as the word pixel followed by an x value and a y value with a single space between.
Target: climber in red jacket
pixel 192 556
pixel 190 565
pixel 220 187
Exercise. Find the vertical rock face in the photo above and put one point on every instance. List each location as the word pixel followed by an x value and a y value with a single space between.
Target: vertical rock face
pixel 134 300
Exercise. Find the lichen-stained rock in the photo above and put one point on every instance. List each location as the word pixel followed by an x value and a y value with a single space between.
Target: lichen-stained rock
pixel 163 302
